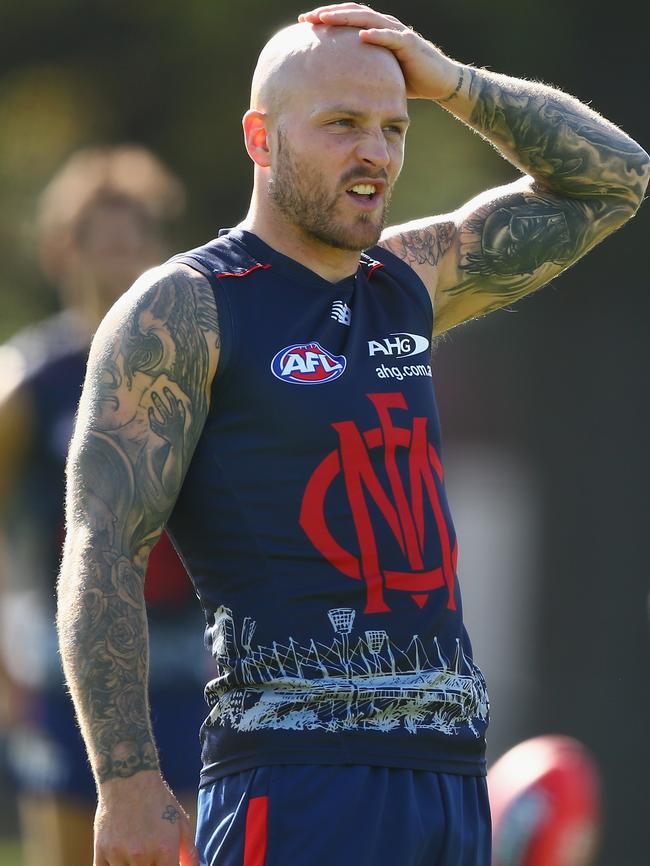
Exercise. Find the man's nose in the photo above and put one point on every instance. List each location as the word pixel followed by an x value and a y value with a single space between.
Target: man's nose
pixel 373 149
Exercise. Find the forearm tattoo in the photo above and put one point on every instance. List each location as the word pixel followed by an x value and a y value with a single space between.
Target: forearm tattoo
pixel 556 139
pixel 144 405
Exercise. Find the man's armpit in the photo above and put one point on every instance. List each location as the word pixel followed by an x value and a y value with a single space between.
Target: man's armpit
pixel 422 247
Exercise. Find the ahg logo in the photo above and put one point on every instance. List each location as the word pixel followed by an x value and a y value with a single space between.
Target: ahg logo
pixel 402 345
pixel 406 520
pixel 307 364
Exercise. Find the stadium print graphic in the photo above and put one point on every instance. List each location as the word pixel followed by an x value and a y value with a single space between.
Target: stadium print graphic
pixel 357 681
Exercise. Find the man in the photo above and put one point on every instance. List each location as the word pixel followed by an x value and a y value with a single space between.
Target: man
pixel 268 397
pixel 101 222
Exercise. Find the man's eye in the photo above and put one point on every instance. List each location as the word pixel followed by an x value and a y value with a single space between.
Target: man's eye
pixel 343 121
pixel 393 130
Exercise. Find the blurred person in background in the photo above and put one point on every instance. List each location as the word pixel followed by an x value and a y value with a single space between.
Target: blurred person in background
pixel 101 222
pixel 348 717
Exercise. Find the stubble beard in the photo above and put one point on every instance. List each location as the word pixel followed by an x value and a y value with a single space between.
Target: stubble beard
pixel 300 195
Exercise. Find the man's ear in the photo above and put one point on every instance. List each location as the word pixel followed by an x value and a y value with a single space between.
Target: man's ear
pixel 256 137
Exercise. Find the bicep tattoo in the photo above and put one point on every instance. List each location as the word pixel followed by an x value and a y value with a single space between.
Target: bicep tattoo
pixel 152 396
pixel 558 140
pixel 513 245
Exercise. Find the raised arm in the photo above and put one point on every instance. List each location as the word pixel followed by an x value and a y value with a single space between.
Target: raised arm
pixel 583 178
pixel 143 407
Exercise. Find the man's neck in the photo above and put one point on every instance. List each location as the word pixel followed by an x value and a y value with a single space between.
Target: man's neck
pixel 330 263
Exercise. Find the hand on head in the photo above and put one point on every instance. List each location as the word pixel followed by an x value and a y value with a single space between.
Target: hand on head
pixel 428 73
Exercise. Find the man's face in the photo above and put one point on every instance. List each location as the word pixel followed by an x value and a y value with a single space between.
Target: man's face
pixel 115 243
pixel 339 147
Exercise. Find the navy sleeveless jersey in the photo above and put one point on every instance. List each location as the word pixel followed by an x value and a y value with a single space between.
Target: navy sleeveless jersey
pixel 314 522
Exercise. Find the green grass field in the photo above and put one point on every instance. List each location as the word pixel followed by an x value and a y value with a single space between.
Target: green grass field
pixel 10 853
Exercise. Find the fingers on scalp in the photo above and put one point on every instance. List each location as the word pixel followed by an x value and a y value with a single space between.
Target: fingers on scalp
pixel 339 11
pixel 358 13
pixel 364 18
pixel 335 7
pixel 381 34
pixel 316 13
pixel 359 8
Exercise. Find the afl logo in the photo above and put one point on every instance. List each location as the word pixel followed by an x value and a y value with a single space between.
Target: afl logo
pixel 307 364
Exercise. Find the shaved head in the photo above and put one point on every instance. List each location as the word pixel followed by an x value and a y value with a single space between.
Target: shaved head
pixel 326 131
pixel 299 56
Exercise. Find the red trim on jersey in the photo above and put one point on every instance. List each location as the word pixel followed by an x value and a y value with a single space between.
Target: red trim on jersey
pixel 255 839
pixel 243 273
pixel 374 268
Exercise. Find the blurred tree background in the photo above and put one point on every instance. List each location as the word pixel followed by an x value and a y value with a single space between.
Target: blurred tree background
pixel 562 381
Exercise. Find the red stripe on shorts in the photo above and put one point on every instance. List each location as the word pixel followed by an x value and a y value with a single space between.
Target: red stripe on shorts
pixel 256 837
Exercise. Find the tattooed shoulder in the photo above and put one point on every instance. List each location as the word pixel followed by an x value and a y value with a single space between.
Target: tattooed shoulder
pixel 166 324
pixel 147 395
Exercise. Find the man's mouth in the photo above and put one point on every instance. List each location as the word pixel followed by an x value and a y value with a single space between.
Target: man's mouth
pixel 365 189
pixel 367 193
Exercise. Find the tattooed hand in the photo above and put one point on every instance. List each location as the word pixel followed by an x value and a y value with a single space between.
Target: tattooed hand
pixel 167 417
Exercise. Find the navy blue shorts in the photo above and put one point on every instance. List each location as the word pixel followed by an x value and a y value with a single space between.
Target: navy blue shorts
pixel 344 815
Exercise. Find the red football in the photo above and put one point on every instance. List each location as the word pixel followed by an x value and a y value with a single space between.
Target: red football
pixel 545 799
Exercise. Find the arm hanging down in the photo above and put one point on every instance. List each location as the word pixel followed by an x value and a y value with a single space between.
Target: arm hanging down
pixel 142 410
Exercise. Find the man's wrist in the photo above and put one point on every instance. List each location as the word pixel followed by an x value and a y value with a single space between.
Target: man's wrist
pixel 462 78
pixel 116 786
pixel 128 757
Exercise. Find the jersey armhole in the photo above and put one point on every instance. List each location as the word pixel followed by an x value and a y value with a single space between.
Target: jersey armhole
pixel 224 312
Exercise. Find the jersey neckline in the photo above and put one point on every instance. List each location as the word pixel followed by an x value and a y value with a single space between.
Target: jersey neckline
pixel 266 254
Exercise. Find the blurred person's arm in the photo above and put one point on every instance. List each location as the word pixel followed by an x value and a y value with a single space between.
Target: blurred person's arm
pixel 16 423
pixel 16 426
pixel 583 178
pixel 143 407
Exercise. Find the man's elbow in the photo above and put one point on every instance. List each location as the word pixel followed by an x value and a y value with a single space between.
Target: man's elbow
pixel 645 175
pixel 636 183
